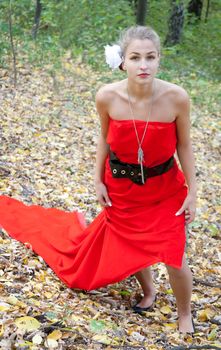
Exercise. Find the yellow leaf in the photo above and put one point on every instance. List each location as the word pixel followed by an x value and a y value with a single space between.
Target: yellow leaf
pixel 102 338
pixel 12 300
pixel 169 291
pixel 35 302
pixel 165 310
pixel 170 325
pixel 194 297
pixel 213 334
pixel 1 330
pixel 205 315
pixel 27 323
pixel 4 307
pixel 48 295
pixel 56 334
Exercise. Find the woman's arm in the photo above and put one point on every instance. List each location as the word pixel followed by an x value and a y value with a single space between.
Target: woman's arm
pixel 102 147
pixel 185 154
pixel 101 154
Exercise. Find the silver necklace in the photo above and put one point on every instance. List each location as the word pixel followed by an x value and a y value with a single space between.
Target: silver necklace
pixel 140 152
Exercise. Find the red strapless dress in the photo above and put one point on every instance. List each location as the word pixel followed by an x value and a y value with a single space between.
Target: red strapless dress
pixel 140 228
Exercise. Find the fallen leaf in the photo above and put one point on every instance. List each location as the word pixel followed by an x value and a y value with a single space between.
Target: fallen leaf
pixel 12 300
pixel 170 325
pixel 37 339
pixel 205 315
pixel 102 338
pixel 56 334
pixel 97 326
pixel 4 307
pixel 27 323
pixel 213 334
pixel 165 310
pixel 51 343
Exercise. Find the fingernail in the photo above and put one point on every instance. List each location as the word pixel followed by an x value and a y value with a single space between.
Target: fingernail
pixel 110 205
pixel 177 214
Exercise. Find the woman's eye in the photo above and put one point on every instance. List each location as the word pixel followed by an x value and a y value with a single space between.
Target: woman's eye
pixel 136 58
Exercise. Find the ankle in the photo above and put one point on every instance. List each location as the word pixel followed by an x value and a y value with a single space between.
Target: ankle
pixel 184 314
pixel 149 295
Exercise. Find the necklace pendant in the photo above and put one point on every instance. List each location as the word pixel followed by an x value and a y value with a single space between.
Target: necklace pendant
pixel 140 155
pixel 140 161
pixel 142 173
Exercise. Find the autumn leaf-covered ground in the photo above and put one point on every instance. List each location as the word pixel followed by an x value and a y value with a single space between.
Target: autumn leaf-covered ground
pixel 49 130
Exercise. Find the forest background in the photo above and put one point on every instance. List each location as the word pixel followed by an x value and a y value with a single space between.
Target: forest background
pixel 52 63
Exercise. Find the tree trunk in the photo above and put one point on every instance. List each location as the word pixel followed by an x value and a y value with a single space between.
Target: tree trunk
pixel 37 18
pixel 12 43
pixel 207 10
pixel 195 8
pixel 141 12
pixel 175 23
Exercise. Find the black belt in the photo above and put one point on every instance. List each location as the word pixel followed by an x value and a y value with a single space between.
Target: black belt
pixel 132 171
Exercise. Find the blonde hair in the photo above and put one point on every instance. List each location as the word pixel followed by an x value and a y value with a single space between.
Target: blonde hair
pixel 138 32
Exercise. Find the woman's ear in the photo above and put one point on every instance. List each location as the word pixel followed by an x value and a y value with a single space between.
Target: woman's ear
pixel 123 67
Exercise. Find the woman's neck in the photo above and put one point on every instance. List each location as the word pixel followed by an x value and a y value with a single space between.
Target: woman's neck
pixel 139 92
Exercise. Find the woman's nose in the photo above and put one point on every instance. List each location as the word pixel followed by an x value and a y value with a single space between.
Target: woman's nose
pixel 143 65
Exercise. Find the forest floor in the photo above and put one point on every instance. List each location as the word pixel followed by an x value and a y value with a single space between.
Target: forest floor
pixel 49 130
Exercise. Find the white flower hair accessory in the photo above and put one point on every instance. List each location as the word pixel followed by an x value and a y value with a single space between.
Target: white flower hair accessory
pixel 113 56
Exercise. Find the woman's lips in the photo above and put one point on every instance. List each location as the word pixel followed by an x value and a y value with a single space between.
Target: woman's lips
pixel 143 75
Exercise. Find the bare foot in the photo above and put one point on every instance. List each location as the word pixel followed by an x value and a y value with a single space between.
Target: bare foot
pixel 147 300
pixel 186 324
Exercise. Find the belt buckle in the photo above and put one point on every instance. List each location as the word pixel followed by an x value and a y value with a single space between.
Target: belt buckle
pixel 137 177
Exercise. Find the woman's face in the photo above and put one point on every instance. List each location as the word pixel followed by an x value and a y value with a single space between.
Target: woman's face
pixel 141 60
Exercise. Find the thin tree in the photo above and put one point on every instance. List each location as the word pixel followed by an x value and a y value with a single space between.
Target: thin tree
pixel 141 12
pixel 38 10
pixel 195 8
pixel 175 23
pixel 207 10
pixel 12 42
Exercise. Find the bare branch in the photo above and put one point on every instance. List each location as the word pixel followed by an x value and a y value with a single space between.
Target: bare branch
pixel 205 283
pixel 207 10
pixel 37 18
pixel 12 42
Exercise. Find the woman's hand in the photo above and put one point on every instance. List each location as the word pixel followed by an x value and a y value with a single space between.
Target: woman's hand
pixel 189 207
pixel 102 195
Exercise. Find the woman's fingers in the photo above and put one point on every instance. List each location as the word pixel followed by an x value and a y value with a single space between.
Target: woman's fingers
pixel 189 216
pixel 106 198
pixel 181 210
pixel 102 196
pixel 101 200
pixel 188 208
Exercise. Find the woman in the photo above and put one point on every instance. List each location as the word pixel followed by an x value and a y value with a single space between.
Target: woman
pixel 145 198
pixel 153 115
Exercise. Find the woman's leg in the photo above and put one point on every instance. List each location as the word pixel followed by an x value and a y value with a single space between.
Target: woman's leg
pixel 181 283
pixel 146 281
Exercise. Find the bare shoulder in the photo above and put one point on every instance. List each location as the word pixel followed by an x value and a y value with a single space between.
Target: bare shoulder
pixel 173 90
pixel 105 97
pixel 107 92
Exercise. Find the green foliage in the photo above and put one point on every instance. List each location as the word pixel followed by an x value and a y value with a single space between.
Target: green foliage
pixel 85 27
pixel 199 49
